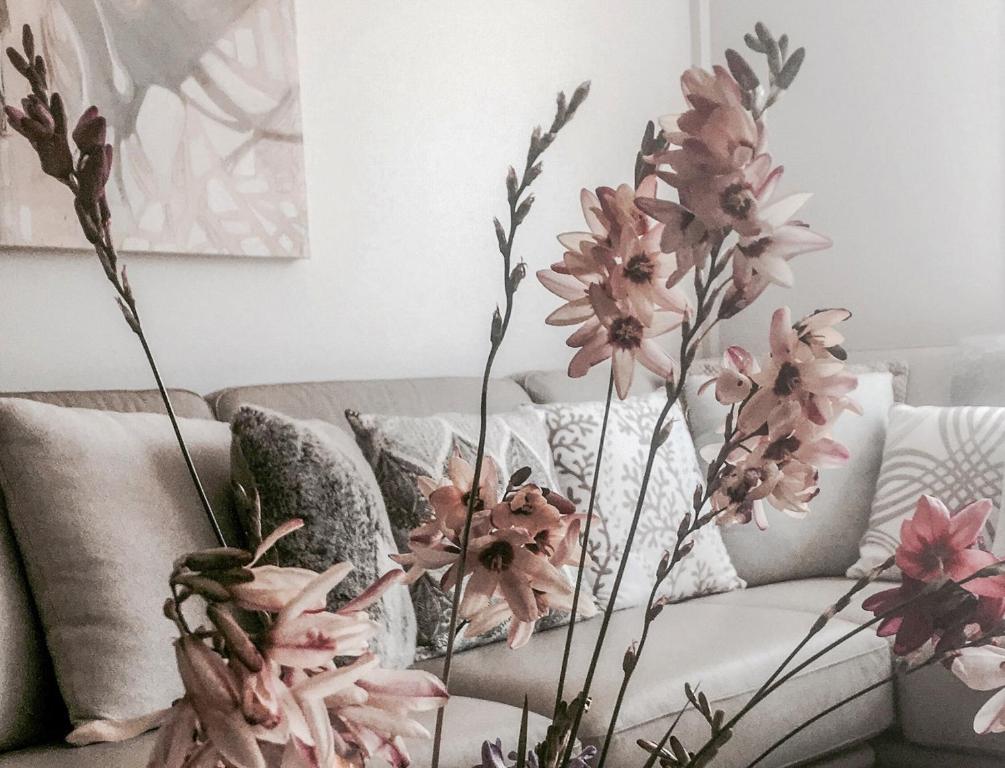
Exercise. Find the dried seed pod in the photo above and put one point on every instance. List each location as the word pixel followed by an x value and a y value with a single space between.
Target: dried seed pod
pixel 217 559
pixel 211 590
pixel 791 69
pixel 520 477
pixel 232 576
pixel 741 70
pixel 501 237
pixel 236 639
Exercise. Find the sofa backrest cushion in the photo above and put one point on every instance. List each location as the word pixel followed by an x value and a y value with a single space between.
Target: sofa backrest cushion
pixel 545 387
pixel 31 708
pixel 101 504
pixel 825 543
pixel 329 400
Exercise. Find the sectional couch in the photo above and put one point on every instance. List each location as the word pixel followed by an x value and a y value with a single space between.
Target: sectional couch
pixel 727 643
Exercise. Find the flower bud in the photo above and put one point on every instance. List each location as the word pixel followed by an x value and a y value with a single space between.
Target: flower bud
pixel 217 559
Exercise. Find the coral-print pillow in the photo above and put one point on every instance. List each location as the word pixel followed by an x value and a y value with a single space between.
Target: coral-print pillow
pixel 574 431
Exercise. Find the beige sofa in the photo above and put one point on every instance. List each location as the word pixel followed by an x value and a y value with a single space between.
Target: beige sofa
pixel 726 643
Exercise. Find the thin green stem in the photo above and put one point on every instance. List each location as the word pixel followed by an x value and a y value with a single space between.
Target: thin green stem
pixel 472 500
pixel 517 211
pixel 687 352
pixel 767 689
pixel 169 407
pixel 834 707
pixel 585 545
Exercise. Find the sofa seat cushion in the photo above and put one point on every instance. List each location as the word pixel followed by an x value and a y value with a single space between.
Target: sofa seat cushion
pixel 811 596
pixel 937 710
pixel 730 650
pixel 467 724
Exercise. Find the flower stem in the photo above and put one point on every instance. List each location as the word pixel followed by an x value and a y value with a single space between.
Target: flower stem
pixel 169 407
pixel 834 707
pixel 586 541
pixel 674 390
pixel 770 687
pixel 518 210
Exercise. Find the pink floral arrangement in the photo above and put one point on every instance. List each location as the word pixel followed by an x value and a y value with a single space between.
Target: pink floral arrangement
pixel 275 679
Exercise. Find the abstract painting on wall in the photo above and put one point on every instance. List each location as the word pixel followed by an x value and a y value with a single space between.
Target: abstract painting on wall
pixel 202 101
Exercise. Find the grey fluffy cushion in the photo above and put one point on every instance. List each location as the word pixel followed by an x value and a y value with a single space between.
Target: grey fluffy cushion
pixel 314 471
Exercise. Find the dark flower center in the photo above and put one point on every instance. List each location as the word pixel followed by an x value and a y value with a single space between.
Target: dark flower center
pixel 497 556
pixel 736 200
pixel 756 248
pixel 626 332
pixel 934 555
pixel 787 380
pixel 639 269
pixel 479 503
pixel 782 448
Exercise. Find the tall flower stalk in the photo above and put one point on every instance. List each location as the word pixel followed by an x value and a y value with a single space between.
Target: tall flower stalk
pixel 622 283
pixel 43 121
pixel 519 207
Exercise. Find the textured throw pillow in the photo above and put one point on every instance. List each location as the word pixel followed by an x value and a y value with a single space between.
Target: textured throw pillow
pixel 313 470
pixel 101 504
pixel 574 433
pixel 401 449
pixel 955 454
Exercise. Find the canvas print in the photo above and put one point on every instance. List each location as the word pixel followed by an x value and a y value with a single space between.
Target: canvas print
pixel 202 102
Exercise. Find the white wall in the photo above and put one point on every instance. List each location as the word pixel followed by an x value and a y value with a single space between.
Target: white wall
pixel 896 123
pixel 412 112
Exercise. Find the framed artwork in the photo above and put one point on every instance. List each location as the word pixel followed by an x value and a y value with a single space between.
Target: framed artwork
pixel 203 107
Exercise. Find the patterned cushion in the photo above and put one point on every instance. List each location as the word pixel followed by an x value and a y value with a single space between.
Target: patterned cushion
pixel 574 433
pixel 313 470
pixel 955 454
pixel 401 449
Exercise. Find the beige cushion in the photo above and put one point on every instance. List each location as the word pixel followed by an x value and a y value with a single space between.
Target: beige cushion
pixel 729 649
pixel 559 387
pixel 937 709
pixel 838 515
pixel 29 701
pixel 329 400
pixel 187 404
pixel 467 724
pixel 30 706
pixel 101 504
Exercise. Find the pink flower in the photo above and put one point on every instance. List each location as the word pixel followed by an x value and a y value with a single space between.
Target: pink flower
pixel 918 613
pixel 733 384
pixel 358 712
pixel 450 501
pixel 302 636
pixel 763 257
pixel 793 372
pixel 45 128
pixel 935 546
pixel 740 491
pixel 730 199
pixel 717 135
pixel 983 669
pixel 212 691
pixel 618 283
pixel 623 337
pixel 683 234
pixel 500 563
pixel 529 508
